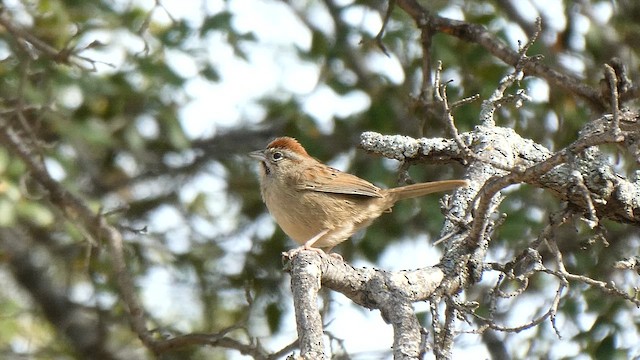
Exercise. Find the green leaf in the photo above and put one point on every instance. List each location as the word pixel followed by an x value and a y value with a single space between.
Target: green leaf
pixel 217 22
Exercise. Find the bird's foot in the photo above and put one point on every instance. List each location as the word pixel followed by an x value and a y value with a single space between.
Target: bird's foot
pixel 293 252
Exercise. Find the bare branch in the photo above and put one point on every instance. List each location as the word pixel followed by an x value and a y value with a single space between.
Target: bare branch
pixel 67 56
pixel 385 21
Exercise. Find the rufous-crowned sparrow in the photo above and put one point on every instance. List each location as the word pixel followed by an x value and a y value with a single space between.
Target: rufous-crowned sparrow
pixel 319 206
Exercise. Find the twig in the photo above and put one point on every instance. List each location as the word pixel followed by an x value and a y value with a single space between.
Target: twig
pixel 64 56
pixel 441 97
pixel 478 34
pixel 579 186
pixel 385 22
pixel 498 98
pixel 606 287
pixel 612 79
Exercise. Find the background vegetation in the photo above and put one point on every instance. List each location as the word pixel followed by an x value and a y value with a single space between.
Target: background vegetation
pixel 106 98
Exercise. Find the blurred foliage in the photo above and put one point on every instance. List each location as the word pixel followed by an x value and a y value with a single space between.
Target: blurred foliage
pixel 204 254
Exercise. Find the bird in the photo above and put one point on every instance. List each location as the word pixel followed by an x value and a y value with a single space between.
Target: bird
pixel 318 206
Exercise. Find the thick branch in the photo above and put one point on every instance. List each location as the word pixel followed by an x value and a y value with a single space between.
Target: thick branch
pixel 305 284
pixel 370 287
pixel 391 292
pixel 407 337
pixel 617 197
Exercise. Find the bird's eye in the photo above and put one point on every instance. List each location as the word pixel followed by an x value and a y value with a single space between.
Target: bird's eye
pixel 277 156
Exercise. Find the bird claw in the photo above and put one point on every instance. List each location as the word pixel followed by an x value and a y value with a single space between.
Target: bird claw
pixel 293 252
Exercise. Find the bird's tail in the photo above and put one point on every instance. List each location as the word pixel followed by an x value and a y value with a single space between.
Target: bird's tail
pixel 422 189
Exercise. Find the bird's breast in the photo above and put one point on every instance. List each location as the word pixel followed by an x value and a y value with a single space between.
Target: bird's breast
pixel 302 214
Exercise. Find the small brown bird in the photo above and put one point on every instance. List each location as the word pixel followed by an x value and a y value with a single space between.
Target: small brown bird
pixel 319 206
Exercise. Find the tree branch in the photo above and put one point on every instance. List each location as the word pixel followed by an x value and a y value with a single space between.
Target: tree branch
pixel 478 34
pixel 305 284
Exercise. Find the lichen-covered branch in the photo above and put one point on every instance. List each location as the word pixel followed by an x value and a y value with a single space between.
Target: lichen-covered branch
pixel 305 284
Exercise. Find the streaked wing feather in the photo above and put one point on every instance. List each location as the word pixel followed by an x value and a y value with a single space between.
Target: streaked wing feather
pixel 332 180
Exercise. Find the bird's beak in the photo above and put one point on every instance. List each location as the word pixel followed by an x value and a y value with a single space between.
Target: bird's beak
pixel 258 155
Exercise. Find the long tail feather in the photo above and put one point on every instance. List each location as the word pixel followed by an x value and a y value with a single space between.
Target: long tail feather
pixel 416 190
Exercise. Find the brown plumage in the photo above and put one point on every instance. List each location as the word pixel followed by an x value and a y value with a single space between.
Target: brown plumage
pixel 319 206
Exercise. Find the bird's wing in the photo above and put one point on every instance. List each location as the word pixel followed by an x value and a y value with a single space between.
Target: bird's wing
pixel 330 180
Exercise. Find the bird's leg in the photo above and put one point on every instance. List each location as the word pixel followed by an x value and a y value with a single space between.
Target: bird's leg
pixel 308 245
